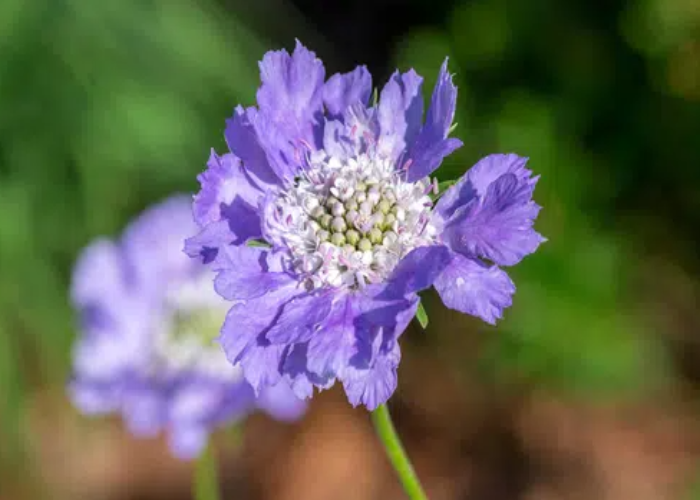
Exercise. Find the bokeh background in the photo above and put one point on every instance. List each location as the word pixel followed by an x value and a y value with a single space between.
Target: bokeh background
pixel 589 389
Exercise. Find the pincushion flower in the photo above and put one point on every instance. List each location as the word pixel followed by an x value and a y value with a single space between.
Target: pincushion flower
pixel 322 226
pixel 148 318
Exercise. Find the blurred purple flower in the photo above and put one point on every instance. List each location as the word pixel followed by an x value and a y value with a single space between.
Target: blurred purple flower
pixel 322 229
pixel 149 318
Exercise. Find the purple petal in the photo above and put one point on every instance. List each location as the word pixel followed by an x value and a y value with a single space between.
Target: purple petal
pixel 362 125
pixel 243 142
pixel 489 169
pixel 432 144
pixel 499 226
pixel 428 157
pixel 243 336
pixel 333 343
pixel 301 318
pixel 473 288
pixel 223 182
pixel 291 103
pixel 187 442
pixel 280 402
pixel 457 196
pixel 97 273
pixel 145 411
pixel 323 341
pixel 417 271
pixel 369 377
pixel 343 90
pixel 94 399
pixel 374 385
pixel 152 243
pixel 244 273
pixel 240 222
pixel 103 356
pixel 205 244
pixel 399 113
pixel 294 367
pixel 195 402
pixel 291 84
pixel 354 340
pixel 336 140
pixel 357 343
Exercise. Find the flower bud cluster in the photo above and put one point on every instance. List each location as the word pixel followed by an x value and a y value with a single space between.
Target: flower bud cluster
pixel 348 223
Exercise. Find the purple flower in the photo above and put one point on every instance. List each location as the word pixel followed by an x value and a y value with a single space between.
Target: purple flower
pixel 149 317
pixel 322 225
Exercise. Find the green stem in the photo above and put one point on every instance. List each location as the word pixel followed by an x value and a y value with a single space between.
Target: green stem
pixel 396 453
pixel 206 482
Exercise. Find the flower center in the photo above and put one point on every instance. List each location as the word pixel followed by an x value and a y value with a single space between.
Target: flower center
pixel 348 222
pixel 193 315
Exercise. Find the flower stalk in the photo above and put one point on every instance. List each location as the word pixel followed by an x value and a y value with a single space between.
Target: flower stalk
pixel 396 453
pixel 206 479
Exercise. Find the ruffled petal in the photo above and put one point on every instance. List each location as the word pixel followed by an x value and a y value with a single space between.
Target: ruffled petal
pixel 205 244
pixel 294 367
pixel 471 287
pixel 429 157
pixel 187 442
pixel 197 401
pixel 374 385
pixel 101 357
pixel 352 336
pixel 457 196
pixel 337 141
pixel 243 142
pixel 432 144
pixel 334 339
pixel 223 183
pixel 243 336
pixel 416 271
pixel 490 168
pixel 301 318
pixel 244 273
pixel 280 402
pixel 94 398
pixel 499 226
pixel 152 247
pixel 98 273
pixel 145 411
pixel 343 90
pixel 369 376
pixel 399 113
pixel 291 104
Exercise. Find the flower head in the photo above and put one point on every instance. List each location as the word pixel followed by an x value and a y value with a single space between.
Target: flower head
pixel 322 226
pixel 149 318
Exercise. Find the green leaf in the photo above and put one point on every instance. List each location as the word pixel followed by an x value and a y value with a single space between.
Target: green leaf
pixel 258 244
pixel 452 128
pixel 422 316
pixel 442 186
